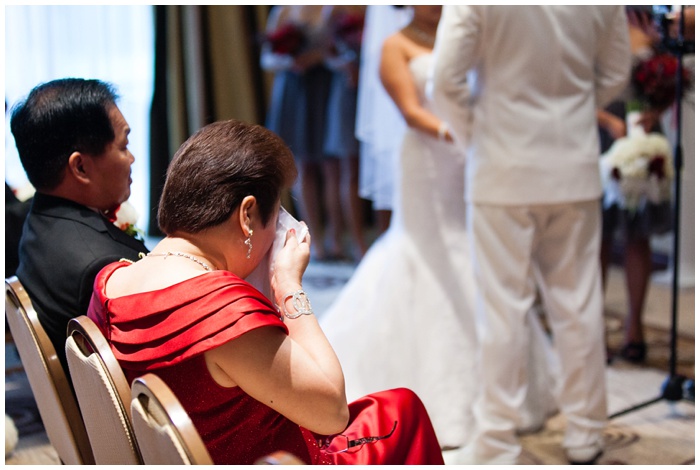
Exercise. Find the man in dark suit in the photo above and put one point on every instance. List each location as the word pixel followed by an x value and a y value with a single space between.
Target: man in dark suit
pixel 73 144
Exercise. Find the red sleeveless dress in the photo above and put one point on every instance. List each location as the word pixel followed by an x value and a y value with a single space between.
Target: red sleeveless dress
pixel 166 332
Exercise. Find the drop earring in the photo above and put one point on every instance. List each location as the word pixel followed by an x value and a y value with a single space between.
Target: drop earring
pixel 249 243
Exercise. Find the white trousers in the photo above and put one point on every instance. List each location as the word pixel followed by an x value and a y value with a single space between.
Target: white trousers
pixel 517 249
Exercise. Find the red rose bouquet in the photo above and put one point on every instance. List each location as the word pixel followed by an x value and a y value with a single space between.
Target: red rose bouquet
pixel 348 31
pixel 654 81
pixel 287 39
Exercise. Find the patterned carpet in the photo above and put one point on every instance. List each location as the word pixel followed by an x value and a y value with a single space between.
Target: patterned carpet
pixel 662 433
pixel 659 434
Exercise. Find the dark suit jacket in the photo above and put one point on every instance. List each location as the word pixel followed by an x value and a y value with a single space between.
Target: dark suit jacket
pixel 63 247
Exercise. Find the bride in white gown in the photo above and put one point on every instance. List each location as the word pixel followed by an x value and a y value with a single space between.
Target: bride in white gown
pixel 404 318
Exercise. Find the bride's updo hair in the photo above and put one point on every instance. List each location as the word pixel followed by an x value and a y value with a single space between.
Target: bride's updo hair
pixel 216 168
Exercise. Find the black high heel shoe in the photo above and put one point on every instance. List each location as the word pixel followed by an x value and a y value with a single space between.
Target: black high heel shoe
pixel 634 352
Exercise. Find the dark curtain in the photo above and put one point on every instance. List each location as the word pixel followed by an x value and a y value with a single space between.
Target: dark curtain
pixel 206 69
pixel 159 151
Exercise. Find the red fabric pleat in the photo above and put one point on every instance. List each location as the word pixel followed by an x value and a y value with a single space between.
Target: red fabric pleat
pixel 157 329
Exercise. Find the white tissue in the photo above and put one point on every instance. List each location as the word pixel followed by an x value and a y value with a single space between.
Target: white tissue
pixel 285 222
pixel 261 277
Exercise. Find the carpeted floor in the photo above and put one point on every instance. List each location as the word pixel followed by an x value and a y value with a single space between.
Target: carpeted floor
pixel 662 433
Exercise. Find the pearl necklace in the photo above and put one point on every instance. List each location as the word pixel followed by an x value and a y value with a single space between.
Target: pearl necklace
pixel 184 255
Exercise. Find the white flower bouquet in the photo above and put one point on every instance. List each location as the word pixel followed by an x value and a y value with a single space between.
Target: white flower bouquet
pixel 637 170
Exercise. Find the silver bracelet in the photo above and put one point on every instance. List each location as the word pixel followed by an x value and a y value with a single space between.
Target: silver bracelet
pixel 300 302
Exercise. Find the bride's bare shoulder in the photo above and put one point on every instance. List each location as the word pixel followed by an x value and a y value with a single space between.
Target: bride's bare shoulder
pixel 397 45
pixel 397 40
pixel 401 44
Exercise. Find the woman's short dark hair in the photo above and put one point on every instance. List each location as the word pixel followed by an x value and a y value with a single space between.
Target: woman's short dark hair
pixel 58 118
pixel 216 168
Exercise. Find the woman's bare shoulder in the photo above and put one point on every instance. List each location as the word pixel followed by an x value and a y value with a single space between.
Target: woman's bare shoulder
pixel 400 44
pixel 147 276
pixel 397 40
pixel 396 45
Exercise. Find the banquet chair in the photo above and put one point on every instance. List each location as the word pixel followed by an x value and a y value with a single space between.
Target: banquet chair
pixel 164 431
pixel 103 394
pixel 57 405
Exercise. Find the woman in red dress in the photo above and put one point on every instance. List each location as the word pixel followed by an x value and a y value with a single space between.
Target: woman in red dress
pixel 254 377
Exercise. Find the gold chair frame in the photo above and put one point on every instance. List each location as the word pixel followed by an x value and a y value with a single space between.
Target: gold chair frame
pixel 51 388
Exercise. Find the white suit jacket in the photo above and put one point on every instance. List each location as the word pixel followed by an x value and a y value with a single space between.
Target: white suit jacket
pixel 529 118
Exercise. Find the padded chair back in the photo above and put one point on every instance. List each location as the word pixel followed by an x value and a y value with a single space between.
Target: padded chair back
pixel 103 394
pixel 164 431
pixel 57 406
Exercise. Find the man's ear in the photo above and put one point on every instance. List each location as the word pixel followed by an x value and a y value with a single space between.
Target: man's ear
pixel 78 167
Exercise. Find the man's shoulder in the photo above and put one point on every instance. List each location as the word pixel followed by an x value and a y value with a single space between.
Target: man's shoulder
pixel 75 230
pixel 53 210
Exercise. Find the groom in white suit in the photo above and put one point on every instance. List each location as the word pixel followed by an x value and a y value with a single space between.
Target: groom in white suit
pixel 533 191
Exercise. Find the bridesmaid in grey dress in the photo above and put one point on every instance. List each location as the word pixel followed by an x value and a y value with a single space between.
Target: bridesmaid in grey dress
pixel 299 41
pixel 341 145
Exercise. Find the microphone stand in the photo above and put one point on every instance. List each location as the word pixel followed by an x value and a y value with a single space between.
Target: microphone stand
pixel 672 389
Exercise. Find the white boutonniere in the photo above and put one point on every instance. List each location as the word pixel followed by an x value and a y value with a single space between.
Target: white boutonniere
pixel 125 217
